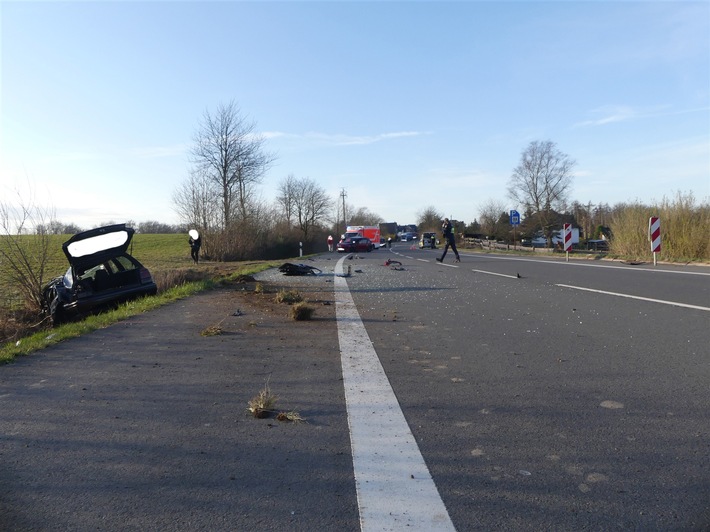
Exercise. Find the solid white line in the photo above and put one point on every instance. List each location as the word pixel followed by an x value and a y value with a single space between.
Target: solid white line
pixel 584 264
pixel 494 273
pixel 674 303
pixel 395 490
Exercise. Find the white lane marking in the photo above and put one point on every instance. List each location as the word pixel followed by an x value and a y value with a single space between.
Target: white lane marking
pixel 494 273
pixel 665 302
pixel 585 264
pixel 395 490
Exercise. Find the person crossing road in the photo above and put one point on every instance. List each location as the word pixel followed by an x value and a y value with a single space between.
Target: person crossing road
pixel 450 240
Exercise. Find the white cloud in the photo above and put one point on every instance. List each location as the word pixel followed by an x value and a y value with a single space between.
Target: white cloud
pixel 609 114
pixel 342 139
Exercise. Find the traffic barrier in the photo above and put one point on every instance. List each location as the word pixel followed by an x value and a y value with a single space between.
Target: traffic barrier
pixel 654 235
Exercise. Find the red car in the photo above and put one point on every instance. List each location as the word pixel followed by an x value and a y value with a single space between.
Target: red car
pixel 355 244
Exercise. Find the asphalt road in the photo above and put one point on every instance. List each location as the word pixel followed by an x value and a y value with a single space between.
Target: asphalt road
pixel 545 407
pixel 542 394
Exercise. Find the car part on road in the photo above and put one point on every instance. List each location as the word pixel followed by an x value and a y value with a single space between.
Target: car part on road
pixel 299 269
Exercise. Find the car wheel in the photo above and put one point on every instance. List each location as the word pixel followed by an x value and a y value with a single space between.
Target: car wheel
pixel 56 312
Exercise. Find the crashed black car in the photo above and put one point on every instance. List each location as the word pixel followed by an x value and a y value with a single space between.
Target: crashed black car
pixel 101 274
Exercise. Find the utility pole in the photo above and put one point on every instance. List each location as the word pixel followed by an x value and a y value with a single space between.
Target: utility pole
pixel 344 195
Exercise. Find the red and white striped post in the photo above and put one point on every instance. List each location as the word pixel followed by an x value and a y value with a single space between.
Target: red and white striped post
pixel 654 235
pixel 567 232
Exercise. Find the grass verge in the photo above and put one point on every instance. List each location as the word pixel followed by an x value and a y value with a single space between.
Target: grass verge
pixel 45 338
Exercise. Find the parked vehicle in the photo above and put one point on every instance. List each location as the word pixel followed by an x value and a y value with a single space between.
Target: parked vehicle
pixel 101 274
pixel 427 240
pixel 598 245
pixel 355 244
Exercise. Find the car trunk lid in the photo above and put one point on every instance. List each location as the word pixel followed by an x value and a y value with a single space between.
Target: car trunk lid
pixel 92 247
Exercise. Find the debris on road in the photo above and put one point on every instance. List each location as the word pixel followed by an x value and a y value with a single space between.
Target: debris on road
pixel 299 269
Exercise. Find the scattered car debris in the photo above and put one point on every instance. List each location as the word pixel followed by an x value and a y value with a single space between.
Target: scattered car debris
pixel 346 274
pixel 394 265
pixel 288 268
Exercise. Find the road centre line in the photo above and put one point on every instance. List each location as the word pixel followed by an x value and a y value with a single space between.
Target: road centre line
pixel 674 303
pixel 494 273
pixel 394 487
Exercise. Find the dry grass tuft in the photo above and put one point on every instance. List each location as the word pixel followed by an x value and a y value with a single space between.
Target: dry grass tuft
pixel 291 416
pixel 288 296
pixel 262 404
pixel 212 330
pixel 301 312
pixel 170 278
pixel 259 288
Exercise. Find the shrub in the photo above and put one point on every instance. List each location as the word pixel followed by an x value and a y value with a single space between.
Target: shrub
pixel 301 312
pixel 685 229
pixel 288 296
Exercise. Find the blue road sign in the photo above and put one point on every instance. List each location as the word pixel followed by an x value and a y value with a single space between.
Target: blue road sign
pixel 514 218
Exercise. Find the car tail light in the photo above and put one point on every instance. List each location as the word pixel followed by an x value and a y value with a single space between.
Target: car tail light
pixel 145 276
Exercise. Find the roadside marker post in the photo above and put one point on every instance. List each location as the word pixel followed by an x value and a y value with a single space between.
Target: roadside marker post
pixel 567 231
pixel 654 235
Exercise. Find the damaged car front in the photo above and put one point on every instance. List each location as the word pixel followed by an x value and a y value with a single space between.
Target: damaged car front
pixel 101 274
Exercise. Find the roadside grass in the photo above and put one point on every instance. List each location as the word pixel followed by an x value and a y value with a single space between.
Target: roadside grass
pixel 227 273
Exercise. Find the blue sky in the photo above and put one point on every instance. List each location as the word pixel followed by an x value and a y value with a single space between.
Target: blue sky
pixel 405 105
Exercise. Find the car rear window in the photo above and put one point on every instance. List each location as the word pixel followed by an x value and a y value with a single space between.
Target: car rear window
pixel 121 263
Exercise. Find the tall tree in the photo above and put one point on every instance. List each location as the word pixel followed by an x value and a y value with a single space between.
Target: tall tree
pixel 196 204
pixel 429 219
pixel 304 203
pixel 363 216
pixel 542 182
pixel 491 217
pixel 230 154
pixel 286 198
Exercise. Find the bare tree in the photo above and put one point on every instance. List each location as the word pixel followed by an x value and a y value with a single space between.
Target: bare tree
pixel 230 154
pixel 490 217
pixel 305 201
pixel 542 181
pixel 363 216
pixel 24 257
pixel 196 204
pixel 429 219
pixel 286 198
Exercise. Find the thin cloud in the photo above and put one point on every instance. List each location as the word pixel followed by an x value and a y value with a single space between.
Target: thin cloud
pixel 344 140
pixel 340 139
pixel 610 114
pixel 619 113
